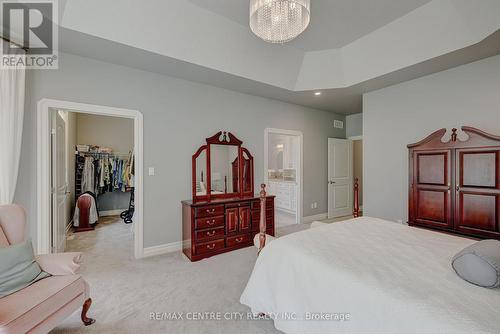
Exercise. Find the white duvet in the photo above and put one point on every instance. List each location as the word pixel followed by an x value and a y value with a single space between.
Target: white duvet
pixel 386 277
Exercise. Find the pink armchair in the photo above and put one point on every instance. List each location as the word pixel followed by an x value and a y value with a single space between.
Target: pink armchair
pixel 43 305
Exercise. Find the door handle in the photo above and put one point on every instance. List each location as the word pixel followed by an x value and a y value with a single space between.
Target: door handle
pixel 457 188
pixel 331 182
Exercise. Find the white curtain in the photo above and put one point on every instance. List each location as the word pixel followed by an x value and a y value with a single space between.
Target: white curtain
pixel 11 129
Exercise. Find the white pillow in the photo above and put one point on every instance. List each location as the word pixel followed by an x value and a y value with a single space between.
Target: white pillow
pixel 479 263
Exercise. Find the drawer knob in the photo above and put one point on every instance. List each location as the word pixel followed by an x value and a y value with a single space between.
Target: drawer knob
pixel 212 246
pixel 239 239
pixel 211 222
pixel 211 233
pixel 210 211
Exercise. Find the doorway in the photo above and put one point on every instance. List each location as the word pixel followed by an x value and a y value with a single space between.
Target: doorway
pixel 283 173
pixel 357 167
pixel 59 182
pixel 340 177
pixel 93 158
pixel 345 165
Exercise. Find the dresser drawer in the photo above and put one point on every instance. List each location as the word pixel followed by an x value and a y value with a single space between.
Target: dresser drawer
pixel 256 214
pixel 269 202
pixel 238 240
pixel 269 224
pixel 238 205
pixel 209 211
pixel 209 222
pixel 209 247
pixel 214 233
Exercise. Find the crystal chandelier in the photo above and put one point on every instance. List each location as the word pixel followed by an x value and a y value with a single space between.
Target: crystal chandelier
pixel 279 21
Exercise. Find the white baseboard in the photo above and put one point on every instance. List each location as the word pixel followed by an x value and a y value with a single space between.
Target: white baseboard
pixel 310 219
pixel 111 212
pixel 162 249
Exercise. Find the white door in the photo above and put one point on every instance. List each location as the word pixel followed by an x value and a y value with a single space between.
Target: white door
pixel 60 193
pixel 340 184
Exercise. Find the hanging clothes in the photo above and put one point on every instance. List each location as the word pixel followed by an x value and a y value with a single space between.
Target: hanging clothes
pixel 88 175
pixel 104 172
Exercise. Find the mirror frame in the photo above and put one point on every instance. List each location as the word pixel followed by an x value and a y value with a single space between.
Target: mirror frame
pixel 202 149
pixel 228 139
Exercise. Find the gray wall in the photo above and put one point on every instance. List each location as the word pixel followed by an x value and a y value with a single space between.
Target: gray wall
pixel 114 132
pixel 354 125
pixel 178 116
pixel 396 116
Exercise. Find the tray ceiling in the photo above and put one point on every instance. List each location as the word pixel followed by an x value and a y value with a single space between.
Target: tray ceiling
pixel 334 23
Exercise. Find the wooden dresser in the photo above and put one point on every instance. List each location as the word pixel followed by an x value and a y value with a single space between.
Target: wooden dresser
pixel 220 226
pixel 224 213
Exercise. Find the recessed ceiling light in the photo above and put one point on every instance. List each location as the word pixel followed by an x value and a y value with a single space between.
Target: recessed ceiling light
pixel 317 93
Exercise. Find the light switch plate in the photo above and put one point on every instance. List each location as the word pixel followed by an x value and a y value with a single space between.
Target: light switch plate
pixel 151 171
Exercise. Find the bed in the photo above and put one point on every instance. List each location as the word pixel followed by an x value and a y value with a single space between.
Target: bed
pixel 382 276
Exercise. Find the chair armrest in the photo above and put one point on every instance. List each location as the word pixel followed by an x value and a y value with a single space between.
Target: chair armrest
pixel 60 264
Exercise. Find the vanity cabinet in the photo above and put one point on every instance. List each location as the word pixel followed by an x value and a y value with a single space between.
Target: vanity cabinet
pixel 212 228
pixel 286 195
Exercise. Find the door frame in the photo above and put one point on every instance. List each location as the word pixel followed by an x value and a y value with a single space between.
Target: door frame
pixel 300 184
pixel 44 168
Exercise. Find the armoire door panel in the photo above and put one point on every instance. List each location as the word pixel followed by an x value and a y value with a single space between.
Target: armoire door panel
pixel 477 191
pixel 432 205
pixel 431 188
pixel 478 169
pixel 432 168
pixel 478 211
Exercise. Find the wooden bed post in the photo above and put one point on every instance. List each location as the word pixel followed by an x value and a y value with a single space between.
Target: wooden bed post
pixel 356 198
pixel 262 222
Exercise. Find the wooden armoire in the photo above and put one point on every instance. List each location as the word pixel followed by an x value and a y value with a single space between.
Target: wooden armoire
pixel 455 185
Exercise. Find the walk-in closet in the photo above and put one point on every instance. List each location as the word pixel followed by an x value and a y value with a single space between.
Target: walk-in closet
pixel 93 169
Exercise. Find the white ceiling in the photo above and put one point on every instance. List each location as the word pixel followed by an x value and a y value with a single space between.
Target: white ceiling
pixel 210 42
pixel 343 100
pixel 334 23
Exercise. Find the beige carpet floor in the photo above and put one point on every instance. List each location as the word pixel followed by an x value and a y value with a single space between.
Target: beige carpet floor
pixel 126 291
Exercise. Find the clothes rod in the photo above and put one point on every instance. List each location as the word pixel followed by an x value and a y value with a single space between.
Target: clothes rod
pixel 101 153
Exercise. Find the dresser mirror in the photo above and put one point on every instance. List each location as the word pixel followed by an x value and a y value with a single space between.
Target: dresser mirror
pixel 201 173
pixel 222 169
pixel 247 172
